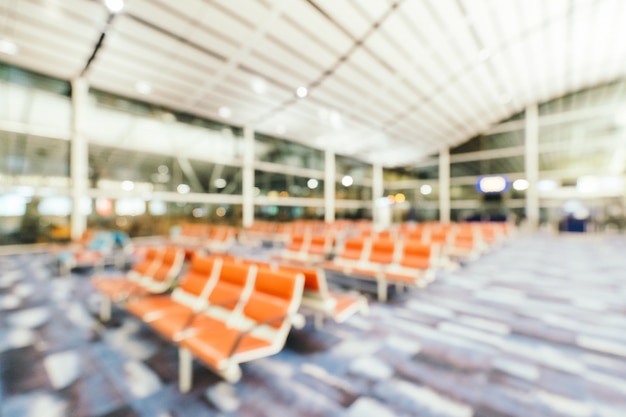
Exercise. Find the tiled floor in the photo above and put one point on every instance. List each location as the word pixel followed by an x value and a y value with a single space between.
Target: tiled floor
pixel 534 329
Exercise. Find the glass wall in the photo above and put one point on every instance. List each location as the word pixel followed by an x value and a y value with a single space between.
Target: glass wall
pixel 148 166
pixel 582 159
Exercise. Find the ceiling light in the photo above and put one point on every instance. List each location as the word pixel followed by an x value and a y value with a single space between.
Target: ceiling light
pixel 198 212
pixel 312 183
pixel 347 181
pixel 220 212
pixel 335 120
pixel 224 112
pixel 400 198
pixel 8 47
pixel 521 184
pixel 302 92
pixel 128 185
pixel 114 6
pixel 547 185
pixel 143 87
pixel 183 188
pixel 426 189
pixel 219 183
pixel 259 85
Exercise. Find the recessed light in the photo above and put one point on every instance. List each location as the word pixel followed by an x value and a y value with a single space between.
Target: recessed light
pixel 335 119
pixel 143 87
pixel 521 184
pixel 219 183
pixel 114 6
pixel 347 181
pixel 312 183
pixel 128 185
pixel 8 47
pixel 426 189
pixel 183 188
pixel 302 92
pixel 259 85
pixel 224 112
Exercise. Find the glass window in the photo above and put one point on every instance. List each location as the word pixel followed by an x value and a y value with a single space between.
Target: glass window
pixel 513 164
pixel 279 151
pixel 25 78
pixel 27 155
pixel 358 170
pixel 275 184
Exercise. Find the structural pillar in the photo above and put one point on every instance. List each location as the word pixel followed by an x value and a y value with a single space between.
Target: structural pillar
pixel 79 156
pixel 248 177
pixel 329 187
pixel 444 185
pixel 531 162
pixel 378 189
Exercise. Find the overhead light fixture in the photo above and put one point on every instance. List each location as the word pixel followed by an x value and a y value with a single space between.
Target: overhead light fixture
pixel 312 183
pixel 183 189
pixel 219 183
pixel 347 181
pixel 114 6
pixel 224 112
pixel 426 189
pixel 128 185
pixel 302 92
pixel 259 85
pixel 547 185
pixel 335 119
pixel 143 87
pixel 521 184
pixel 8 47
pixel 400 198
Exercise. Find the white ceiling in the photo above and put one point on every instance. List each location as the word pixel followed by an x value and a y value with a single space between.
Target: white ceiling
pixel 389 82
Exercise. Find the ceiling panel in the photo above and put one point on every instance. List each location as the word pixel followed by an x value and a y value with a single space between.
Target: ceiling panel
pixel 346 13
pixel 390 81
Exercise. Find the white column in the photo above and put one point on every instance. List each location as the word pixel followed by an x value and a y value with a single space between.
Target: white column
pixel 79 155
pixel 444 185
pixel 248 177
pixel 329 187
pixel 378 189
pixel 531 159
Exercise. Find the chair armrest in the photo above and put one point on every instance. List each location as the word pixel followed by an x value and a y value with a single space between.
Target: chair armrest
pixel 297 320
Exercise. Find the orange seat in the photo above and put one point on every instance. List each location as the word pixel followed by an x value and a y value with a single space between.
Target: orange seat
pixel 193 286
pixel 261 329
pixel 320 299
pixel 416 264
pixel 112 285
pixel 223 300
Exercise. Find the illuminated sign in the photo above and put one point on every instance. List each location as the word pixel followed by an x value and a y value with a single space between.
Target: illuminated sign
pixel 492 184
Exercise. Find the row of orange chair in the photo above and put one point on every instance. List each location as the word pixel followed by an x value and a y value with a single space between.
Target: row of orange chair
pixel 214 239
pixel 225 311
pixel 317 298
pixel 402 263
pixel 154 274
